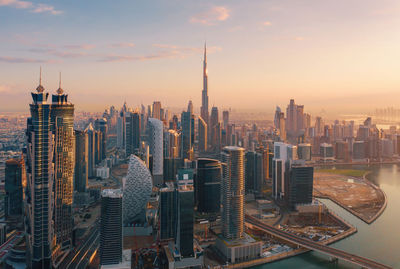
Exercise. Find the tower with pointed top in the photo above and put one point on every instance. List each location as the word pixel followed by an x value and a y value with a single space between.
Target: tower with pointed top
pixel 39 202
pixel 62 121
pixel 204 100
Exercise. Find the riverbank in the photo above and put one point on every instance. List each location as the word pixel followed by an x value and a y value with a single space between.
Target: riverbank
pixel 357 195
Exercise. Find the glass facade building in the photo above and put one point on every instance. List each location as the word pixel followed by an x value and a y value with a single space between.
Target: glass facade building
pixel 208 185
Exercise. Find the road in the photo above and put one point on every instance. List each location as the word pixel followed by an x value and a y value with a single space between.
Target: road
pixel 306 243
pixel 75 258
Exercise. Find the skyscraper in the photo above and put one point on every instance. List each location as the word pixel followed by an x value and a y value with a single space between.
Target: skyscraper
pixel 300 185
pixel 62 119
pixel 132 132
pixel 15 182
pixel 215 130
pixel 155 142
pixel 157 110
pixel 168 212
pixel 232 194
pixel 81 161
pixel 204 94
pixel 91 149
pixel 185 220
pixel 186 122
pixel 283 155
pixel 254 172
pixel 40 179
pixel 202 133
pixel 101 126
pixel 111 227
pixel 208 185
pixel 225 118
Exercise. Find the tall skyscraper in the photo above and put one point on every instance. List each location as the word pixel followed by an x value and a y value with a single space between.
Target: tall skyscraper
pixel 215 130
pixel 62 119
pixel 101 126
pixel 121 127
pixel 155 142
pixel 233 192
pixel 168 212
pixel 15 183
pixel 254 172
pixel 283 155
pixel 40 179
pixel 202 133
pixel 111 227
pixel 208 185
pixel 157 110
pixel 186 122
pixel 185 220
pixel 300 185
pixel 132 132
pixel 204 94
pixel 81 161
pixel 225 118
pixel 91 150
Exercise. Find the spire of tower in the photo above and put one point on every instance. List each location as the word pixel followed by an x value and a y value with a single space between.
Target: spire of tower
pixel 40 88
pixel 205 51
pixel 60 90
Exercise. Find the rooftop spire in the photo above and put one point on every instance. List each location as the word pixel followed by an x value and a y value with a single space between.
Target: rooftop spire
pixel 40 88
pixel 60 90
pixel 205 51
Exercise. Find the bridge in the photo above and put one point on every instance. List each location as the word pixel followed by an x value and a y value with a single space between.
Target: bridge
pixel 311 245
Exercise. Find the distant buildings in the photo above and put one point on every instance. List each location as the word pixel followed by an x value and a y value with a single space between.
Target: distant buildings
pixel 110 250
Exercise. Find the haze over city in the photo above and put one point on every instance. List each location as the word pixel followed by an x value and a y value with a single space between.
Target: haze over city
pixel 326 55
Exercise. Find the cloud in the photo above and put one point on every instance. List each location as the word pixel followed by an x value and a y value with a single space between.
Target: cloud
pixel 267 23
pixel 5 88
pixel 41 8
pixel 81 46
pixel 123 45
pixel 212 16
pixel 34 8
pixel 132 58
pixel 7 59
pixel 299 38
pixel 16 3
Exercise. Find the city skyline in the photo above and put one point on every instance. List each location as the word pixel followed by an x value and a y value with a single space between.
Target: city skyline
pixel 311 51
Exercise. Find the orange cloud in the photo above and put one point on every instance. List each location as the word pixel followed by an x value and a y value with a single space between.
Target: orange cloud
pixel 212 16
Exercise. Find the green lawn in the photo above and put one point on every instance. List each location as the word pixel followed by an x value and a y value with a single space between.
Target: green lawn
pixel 344 172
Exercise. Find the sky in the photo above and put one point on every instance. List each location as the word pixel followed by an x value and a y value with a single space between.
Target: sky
pixel 338 56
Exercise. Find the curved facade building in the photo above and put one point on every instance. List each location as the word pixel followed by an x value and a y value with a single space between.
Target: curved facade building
pixel 232 193
pixel 155 141
pixel 137 190
pixel 208 185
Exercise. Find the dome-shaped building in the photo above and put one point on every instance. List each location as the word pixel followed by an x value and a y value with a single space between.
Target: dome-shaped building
pixel 137 190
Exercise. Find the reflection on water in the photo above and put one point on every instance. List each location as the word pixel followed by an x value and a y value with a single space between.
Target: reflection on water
pixel 379 241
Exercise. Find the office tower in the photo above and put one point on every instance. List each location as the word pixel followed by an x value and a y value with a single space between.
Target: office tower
pixel 132 132
pixel 254 172
pixel 14 186
pixel 186 122
pixel 232 195
pixel 91 149
pixel 81 161
pixel 185 220
pixel 136 191
pixel 304 151
pixel 225 118
pixel 283 155
pixel 326 152
pixel 204 94
pixel 359 150
pixel 172 144
pixel 300 118
pixel 98 146
pixel 121 127
pixel 279 123
pixel 208 185
pixel 62 118
pixel 143 120
pixel 101 126
pixel 174 123
pixel 168 212
pixel 110 250
pixel 155 141
pixel 171 167
pixel 202 133
pixel 291 118
pixel 342 150
pixel 215 130
pixel 319 126
pixel 156 110
pixel 300 185
pixel 40 176
pixel 190 107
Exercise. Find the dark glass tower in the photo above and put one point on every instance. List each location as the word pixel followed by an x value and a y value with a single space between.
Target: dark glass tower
pixel 185 220
pixel 15 182
pixel 208 186
pixel 40 176
pixel 132 132
pixel 186 121
pixel 168 212
pixel 202 132
pixel 111 227
pixel 300 185
pixel 81 161
pixel 101 126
